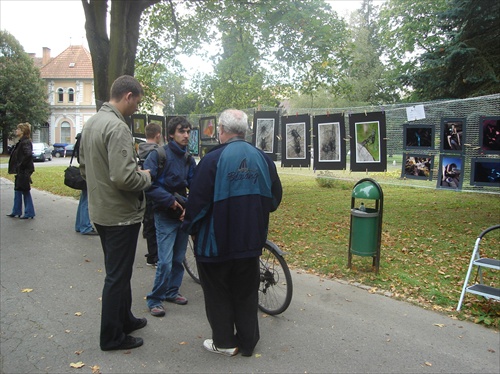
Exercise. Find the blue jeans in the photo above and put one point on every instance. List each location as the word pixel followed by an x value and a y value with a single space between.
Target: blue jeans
pixel 172 244
pixel 82 222
pixel 29 209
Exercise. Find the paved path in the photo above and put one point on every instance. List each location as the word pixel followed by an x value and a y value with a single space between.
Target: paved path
pixel 330 327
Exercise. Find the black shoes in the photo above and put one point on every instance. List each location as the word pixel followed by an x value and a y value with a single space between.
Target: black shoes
pixel 13 215
pixel 128 343
pixel 141 322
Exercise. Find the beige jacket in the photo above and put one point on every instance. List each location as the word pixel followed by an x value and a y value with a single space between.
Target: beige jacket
pixel 108 162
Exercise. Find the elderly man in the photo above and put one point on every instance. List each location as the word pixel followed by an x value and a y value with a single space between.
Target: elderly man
pixel 234 188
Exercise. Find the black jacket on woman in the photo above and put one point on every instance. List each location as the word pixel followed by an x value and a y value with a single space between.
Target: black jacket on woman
pixel 21 163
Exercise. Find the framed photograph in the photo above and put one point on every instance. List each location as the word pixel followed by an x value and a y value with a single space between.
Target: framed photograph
pixel 452 135
pixel 418 136
pixel 296 141
pixel 208 128
pixel 160 120
pixel 194 142
pixel 328 142
pixel 368 141
pixel 450 172
pixel 265 134
pixel 489 135
pixel 139 125
pixel 417 166
pixel 485 172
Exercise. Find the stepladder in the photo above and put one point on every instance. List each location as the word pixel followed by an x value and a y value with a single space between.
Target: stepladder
pixel 480 263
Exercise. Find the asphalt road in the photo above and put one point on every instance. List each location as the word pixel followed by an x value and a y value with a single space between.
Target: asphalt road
pixel 51 280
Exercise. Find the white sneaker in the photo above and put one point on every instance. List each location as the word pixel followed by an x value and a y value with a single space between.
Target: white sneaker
pixel 209 345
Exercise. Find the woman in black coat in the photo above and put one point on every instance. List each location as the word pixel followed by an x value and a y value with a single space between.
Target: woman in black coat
pixel 21 164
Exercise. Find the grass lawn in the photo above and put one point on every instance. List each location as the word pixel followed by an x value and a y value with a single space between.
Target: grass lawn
pixel 427 239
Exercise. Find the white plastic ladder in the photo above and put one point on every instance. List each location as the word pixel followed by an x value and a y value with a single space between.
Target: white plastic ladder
pixel 481 262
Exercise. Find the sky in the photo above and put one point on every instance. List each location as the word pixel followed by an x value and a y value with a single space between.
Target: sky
pixel 57 24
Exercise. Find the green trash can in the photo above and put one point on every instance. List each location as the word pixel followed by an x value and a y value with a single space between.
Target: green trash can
pixel 366 222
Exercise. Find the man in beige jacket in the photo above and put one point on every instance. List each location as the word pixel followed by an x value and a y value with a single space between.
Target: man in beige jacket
pixel 116 187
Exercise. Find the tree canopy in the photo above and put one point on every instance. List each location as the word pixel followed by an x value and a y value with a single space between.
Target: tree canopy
pixel 23 96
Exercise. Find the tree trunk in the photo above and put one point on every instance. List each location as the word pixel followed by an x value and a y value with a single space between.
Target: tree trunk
pixel 112 56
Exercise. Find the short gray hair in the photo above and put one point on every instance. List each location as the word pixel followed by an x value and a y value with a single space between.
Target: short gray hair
pixel 234 121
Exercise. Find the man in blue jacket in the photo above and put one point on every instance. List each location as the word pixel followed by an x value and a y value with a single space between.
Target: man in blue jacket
pixel 174 177
pixel 234 189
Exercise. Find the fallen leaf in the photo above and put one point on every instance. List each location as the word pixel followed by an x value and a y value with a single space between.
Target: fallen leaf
pixel 78 352
pixel 78 314
pixel 491 350
pixel 258 355
pixel 439 324
pixel 183 343
pixel 427 363
pixel 77 365
pixel 25 290
pixel 96 369
pixel 67 331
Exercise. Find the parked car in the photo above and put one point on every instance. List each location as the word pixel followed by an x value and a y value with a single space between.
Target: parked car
pixel 59 149
pixel 63 150
pixel 69 150
pixel 42 152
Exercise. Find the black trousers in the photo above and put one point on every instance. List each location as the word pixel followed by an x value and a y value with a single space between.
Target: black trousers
pixel 119 244
pixel 149 233
pixel 231 296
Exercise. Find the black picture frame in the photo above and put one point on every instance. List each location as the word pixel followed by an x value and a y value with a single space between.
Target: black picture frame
pixel 452 135
pixel 194 142
pixel 265 132
pixel 296 140
pixel 160 120
pixel 417 166
pixel 452 179
pixel 489 134
pixel 139 125
pixel 418 136
pixel 368 141
pixel 485 172
pixel 208 128
pixel 328 142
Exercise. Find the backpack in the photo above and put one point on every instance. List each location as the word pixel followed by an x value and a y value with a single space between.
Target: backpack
pixel 162 159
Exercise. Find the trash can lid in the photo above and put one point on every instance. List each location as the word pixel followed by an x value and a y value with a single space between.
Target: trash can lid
pixel 366 190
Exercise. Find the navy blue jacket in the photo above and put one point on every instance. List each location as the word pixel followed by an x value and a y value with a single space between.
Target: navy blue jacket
pixel 176 175
pixel 234 189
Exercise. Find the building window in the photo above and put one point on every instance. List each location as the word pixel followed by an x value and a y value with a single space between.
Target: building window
pixel 60 97
pixel 71 95
pixel 65 132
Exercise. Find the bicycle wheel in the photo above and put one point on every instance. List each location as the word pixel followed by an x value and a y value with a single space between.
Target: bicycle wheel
pixel 275 290
pixel 190 261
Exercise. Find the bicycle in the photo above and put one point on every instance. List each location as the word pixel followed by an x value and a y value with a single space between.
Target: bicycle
pixel 275 289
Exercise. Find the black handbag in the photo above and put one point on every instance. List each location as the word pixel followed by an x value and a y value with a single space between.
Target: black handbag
pixel 72 176
pixel 22 182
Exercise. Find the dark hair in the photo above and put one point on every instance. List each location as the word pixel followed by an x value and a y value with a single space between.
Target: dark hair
pixel 176 121
pixel 125 84
pixel 152 129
